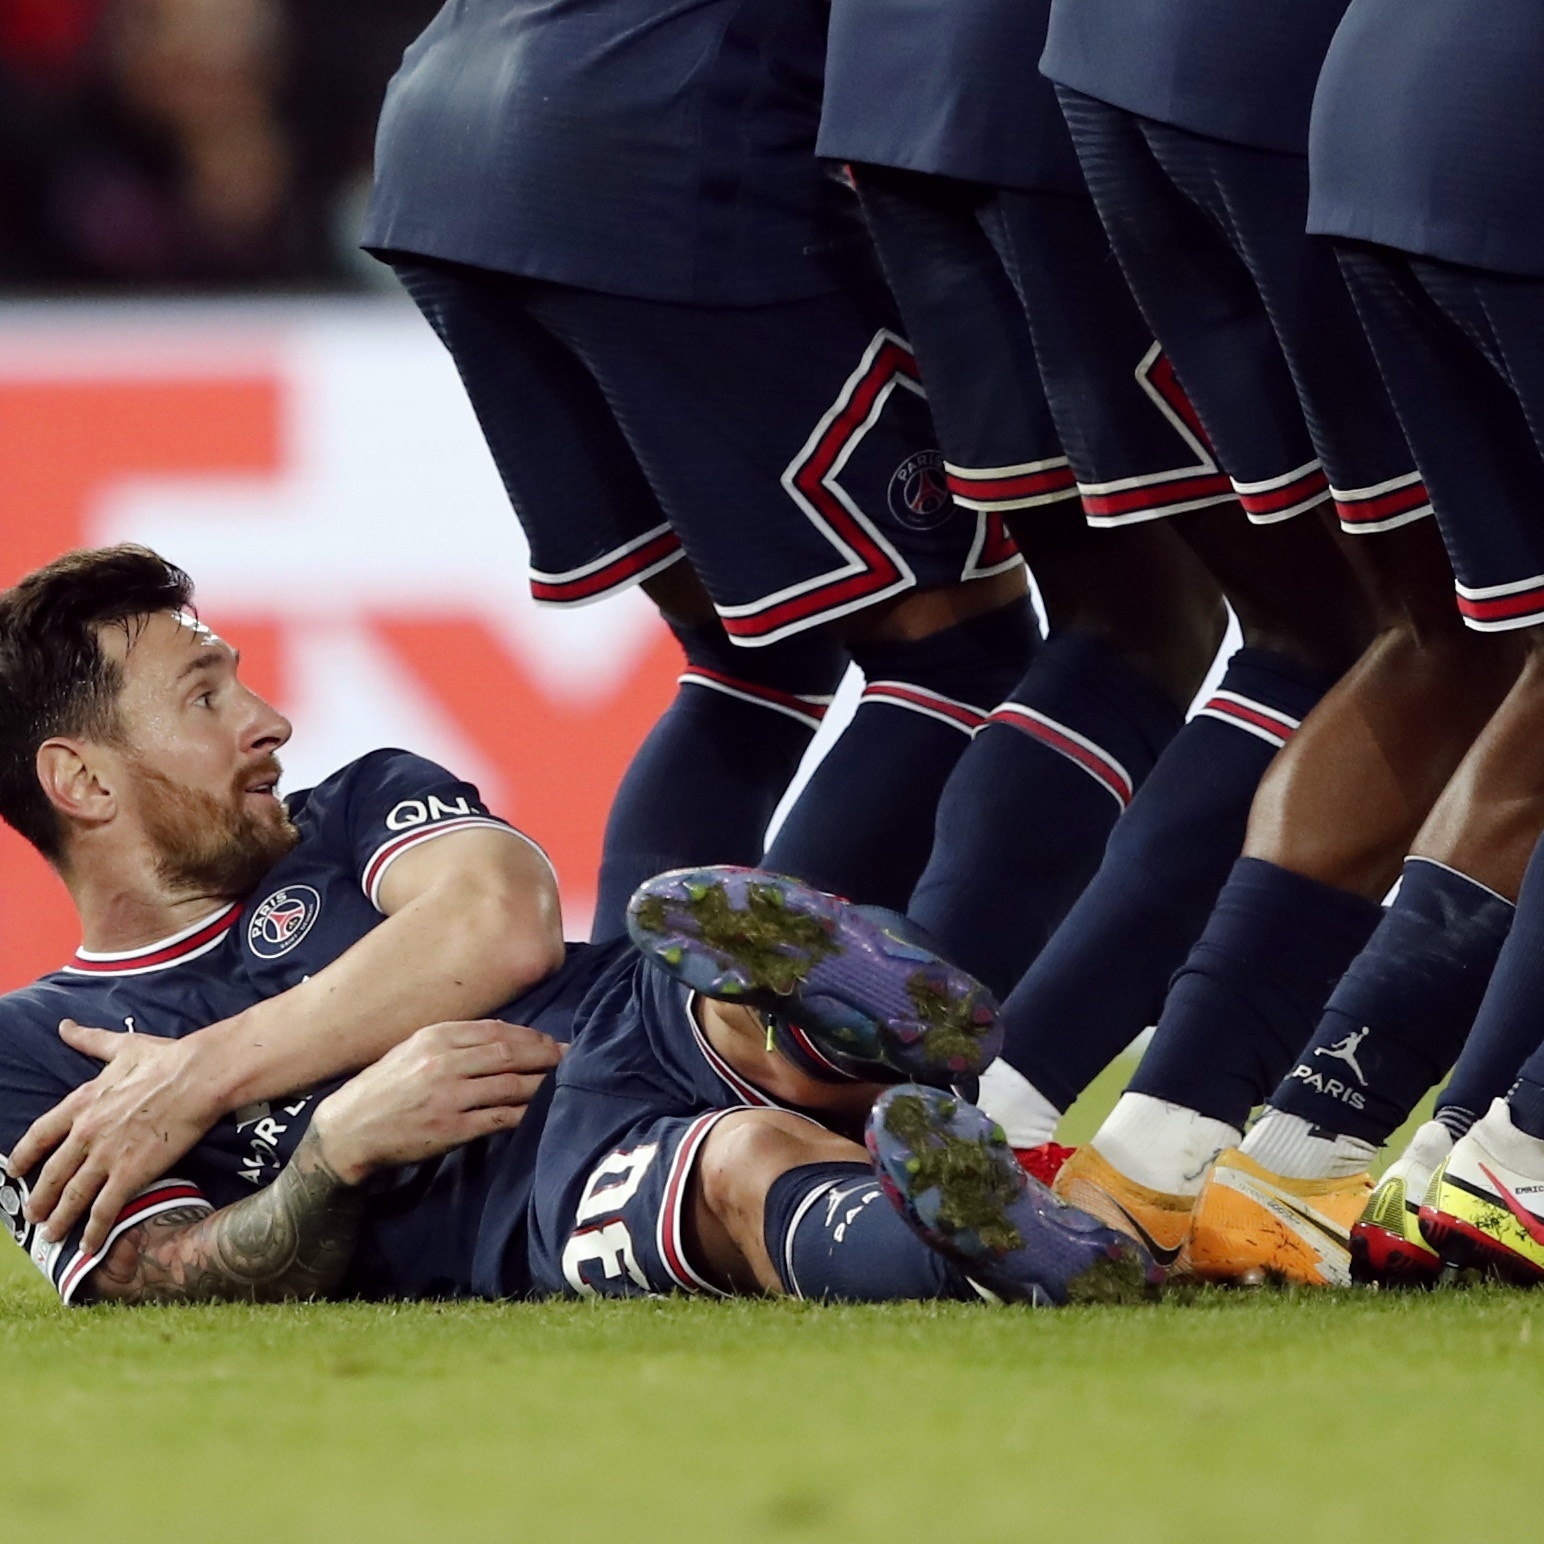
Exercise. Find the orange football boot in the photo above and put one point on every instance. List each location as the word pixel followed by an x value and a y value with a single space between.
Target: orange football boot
pixel 1251 1226
pixel 1160 1223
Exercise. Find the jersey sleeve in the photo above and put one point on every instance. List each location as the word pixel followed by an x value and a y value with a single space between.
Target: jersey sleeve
pixel 37 1070
pixel 66 1264
pixel 400 801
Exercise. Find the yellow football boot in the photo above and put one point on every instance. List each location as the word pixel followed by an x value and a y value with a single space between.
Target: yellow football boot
pixel 1159 1222
pixel 1388 1248
pixel 1485 1206
pixel 1251 1226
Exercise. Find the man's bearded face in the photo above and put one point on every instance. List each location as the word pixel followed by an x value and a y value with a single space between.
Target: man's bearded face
pixel 212 845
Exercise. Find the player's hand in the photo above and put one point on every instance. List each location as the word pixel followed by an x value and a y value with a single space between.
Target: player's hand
pixel 441 1088
pixel 112 1136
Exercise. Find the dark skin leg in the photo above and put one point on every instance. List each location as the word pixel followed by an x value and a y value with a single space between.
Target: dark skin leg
pixel 1343 803
pixel 1289 584
pixel 1138 589
pixel 1490 815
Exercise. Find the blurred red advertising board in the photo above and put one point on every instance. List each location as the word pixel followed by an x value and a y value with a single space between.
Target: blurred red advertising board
pixel 316 469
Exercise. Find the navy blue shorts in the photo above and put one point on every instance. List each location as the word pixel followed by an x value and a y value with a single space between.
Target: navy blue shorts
pixel 785 449
pixel 1043 377
pixel 1463 353
pixel 636 1097
pixel 1255 315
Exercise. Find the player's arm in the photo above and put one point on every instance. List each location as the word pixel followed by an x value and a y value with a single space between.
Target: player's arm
pixel 294 1239
pixel 471 921
pixel 442 1088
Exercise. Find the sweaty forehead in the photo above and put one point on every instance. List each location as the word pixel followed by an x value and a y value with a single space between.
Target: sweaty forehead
pixel 160 645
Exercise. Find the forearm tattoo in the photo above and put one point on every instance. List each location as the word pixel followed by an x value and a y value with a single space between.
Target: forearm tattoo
pixel 292 1240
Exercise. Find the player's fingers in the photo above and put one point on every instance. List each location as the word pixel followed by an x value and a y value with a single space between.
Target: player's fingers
pixel 500 1088
pixel 116 1193
pixel 102 1044
pixel 44 1134
pixel 484 1122
pixel 492 1056
pixel 75 1198
pixel 521 1041
pixel 67 1157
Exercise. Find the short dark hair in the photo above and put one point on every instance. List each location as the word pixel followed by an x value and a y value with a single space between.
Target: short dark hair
pixel 54 677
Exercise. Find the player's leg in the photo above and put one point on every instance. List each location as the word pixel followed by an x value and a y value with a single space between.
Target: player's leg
pixel 703 786
pixel 1297 599
pixel 792 448
pixel 753 1202
pixel 648 1180
pixel 1340 806
pixel 706 780
pixel 1133 619
pixel 1141 452
pixel 1457 349
pixel 863 824
pixel 1474 1184
pixel 1408 998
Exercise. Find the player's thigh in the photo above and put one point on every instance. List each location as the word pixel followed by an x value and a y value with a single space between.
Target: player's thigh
pixel 791 448
pixel 1503 315
pixel 965 321
pixel 1132 436
pixel 1259 199
pixel 670 1203
pixel 1203 306
pixel 612 1219
pixel 588 512
pixel 1468 428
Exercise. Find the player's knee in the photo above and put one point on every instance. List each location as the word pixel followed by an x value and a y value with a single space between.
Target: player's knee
pixel 745 1153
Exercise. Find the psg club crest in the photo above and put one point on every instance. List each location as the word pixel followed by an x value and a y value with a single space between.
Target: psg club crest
pixel 919 493
pixel 283 920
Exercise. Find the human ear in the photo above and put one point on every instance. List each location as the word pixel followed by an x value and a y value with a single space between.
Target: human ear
pixel 71 782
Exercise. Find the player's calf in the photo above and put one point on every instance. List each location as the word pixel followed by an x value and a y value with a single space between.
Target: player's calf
pixel 783 1207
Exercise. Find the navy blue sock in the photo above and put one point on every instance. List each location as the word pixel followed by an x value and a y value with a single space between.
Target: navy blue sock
pixel 832 1234
pixel 1526 1100
pixel 1508 1027
pixel 1101 979
pixel 1404 1008
pixel 863 826
pixel 1027 810
pixel 1252 989
pixel 707 778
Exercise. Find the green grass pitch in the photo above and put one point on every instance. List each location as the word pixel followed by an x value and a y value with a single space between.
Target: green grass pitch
pixel 1229 1417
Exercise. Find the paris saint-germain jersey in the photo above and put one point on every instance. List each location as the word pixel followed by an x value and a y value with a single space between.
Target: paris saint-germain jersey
pixel 443 1228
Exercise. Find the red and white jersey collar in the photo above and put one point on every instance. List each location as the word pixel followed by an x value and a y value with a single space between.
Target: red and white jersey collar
pixel 191 942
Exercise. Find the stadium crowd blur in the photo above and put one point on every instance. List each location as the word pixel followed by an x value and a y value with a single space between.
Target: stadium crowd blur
pixel 190 144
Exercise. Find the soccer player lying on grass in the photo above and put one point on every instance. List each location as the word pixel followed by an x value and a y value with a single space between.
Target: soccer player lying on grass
pixel 256 954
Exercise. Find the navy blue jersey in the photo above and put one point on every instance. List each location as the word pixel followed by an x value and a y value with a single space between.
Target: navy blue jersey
pixel 656 148
pixel 1428 131
pixel 949 87
pixel 430 1228
pixel 1238 70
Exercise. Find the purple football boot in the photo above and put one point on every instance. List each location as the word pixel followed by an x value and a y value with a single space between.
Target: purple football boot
pixel 863 996
pixel 947 1166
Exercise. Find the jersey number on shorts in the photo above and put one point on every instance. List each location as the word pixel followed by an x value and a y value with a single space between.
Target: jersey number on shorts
pixel 612 1184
